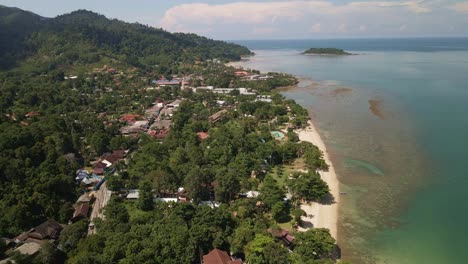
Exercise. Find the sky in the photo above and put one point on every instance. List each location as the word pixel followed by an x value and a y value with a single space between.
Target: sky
pixel 280 19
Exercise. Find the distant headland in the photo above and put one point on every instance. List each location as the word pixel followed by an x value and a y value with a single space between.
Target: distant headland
pixel 326 51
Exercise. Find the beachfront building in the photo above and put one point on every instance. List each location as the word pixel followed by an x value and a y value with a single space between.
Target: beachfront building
pixel 217 256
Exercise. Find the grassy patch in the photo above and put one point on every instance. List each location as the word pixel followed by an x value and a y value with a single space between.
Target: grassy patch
pixel 133 211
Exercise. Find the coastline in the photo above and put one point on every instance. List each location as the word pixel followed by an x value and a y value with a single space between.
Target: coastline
pixel 322 215
pixel 318 215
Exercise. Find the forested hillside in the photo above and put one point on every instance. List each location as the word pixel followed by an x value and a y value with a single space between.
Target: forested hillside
pixel 122 143
pixel 43 117
pixel 84 37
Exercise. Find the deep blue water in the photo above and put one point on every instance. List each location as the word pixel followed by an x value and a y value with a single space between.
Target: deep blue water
pixel 403 44
pixel 421 149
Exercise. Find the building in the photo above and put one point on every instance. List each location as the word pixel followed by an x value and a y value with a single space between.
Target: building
pixel 165 82
pixel 133 194
pixel 174 104
pixel 217 256
pixel 81 212
pixel 202 135
pixel 29 248
pixel 283 236
pixel 264 98
pixel 130 118
pixel 241 73
pixel 218 116
pixel 50 229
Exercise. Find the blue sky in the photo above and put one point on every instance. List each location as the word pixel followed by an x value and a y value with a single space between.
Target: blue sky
pixel 280 19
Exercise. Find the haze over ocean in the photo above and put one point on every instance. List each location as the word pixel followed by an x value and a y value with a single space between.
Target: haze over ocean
pixel 394 120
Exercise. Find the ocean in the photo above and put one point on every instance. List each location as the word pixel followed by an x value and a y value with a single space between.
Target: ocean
pixel 394 118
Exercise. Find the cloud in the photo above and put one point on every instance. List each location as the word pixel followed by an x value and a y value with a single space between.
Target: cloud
pixel 461 7
pixel 414 6
pixel 261 12
pixel 299 18
pixel 316 28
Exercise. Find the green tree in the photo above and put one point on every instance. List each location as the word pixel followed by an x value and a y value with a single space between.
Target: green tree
pixel 116 211
pixel 309 186
pixel 271 193
pixel 315 243
pixel 264 250
pixel 279 211
pixel 145 200
pixel 72 234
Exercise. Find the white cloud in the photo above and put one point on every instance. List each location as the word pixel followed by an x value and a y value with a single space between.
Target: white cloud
pixel 300 18
pixel 403 28
pixel 414 6
pixel 461 7
pixel 260 12
pixel 316 28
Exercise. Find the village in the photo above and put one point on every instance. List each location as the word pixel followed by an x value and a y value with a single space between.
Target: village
pixel 155 122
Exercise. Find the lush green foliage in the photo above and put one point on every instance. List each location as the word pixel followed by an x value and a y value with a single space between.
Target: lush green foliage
pixel 308 186
pixel 84 37
pixel 51 125
pixel 326 51
pixel 315 243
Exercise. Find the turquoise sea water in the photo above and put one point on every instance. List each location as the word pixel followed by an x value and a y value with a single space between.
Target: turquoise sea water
pixel 405 168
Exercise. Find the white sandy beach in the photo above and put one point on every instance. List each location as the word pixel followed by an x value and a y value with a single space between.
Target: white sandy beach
pixel 322 215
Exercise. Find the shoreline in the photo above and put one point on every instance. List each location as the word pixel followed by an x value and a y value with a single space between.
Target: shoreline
pixel 318 214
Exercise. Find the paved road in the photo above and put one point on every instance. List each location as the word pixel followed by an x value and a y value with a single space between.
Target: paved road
pixel 102 199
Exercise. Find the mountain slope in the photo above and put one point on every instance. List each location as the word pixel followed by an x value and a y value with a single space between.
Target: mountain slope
pixel 84 37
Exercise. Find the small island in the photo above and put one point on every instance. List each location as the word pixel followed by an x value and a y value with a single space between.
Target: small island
pixel 326 51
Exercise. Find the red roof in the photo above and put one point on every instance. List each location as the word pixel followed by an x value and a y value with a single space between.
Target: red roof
pixel 98 171
pixel 217 256
pixel 159 134
pixel 130 117
pixel 32 113
pixel 81 212
pixel 241 73
pixel 202 135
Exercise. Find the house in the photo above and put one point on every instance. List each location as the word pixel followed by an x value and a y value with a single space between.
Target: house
pixel 50 229
pixel 241 73
pixel 112 71
pixel 263 98
pixel 133 194
pixel 84 198
pixel 201 88
pixel 142 124
pixel 98 171
pixel 217 256
pixel 202 135
pixel 81 212
pixel 174 104
pixel 161 124
pixel 250 194
pixel 131 130
pixel 282 235
pixel 217 116
pixel 32 114
pixel 29 248
pixel 130 118
pixel 165 82
pixel 81 174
